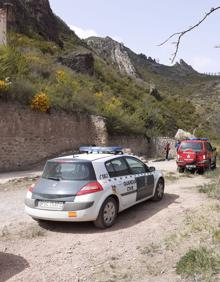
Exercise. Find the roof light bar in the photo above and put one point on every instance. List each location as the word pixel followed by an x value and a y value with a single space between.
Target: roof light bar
pixel 101 150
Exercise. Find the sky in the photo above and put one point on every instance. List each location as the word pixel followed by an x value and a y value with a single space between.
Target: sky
pixel 143 24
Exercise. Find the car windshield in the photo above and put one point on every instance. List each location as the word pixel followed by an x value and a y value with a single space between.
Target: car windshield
pixel 194 146
pixel 68 171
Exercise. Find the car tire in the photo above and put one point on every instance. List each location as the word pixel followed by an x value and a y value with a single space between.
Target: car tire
pixel 214 164
pixel 107 214
pixel 159 191
pixel 201 170
pixel 210 165
pixel 181 169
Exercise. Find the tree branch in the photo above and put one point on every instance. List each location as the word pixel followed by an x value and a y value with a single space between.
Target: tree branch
pixel 182 33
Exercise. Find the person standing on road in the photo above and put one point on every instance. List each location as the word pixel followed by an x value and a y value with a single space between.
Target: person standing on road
pixel 167 150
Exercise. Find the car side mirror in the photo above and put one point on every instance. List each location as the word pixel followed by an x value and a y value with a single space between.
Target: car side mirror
pixel 152 168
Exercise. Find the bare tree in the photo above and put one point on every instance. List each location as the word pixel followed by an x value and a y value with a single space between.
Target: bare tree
pixel 180 34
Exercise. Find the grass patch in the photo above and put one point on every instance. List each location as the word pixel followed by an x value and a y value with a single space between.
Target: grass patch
pixel 212 189
pixel 212 173
pixel 32 232
pixel 171 176
pixel 28 232
pixel 216 236
pixel 198 262
pixel 150 249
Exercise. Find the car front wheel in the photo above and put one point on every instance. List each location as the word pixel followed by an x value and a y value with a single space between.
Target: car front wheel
pixel 107 214
pixel 159 191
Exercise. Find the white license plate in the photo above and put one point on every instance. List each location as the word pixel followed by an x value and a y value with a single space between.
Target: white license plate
pixel 190 166
pixel 50 205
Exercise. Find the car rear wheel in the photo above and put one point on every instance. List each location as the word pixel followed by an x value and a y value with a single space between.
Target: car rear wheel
pixel 181 169
pixel 107 214
pixel 210 165
pixel 200 170
pixel 214 164
pixel 159 191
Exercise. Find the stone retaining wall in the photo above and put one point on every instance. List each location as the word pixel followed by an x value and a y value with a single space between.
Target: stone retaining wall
pixel 27 137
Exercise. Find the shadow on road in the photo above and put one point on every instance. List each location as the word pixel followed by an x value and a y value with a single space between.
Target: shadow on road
pixel 162 160
pixel 10 265
pixel 127 218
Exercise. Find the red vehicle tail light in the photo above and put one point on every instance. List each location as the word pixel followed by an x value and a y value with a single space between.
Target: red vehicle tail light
pixel 201 156
pixel 90 188
pixel 31 188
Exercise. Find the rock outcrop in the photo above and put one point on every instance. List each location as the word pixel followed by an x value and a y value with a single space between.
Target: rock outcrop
pixel 113 52
pixel 36 16
pixel 79 62
pixel 184 67
pixel 135 65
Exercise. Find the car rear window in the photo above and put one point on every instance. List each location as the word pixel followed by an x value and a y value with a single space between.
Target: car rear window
pixel 57 170
pixel 195 146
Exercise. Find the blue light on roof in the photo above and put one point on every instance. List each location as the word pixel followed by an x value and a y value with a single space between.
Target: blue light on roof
pixel 101 150
pixel 202 139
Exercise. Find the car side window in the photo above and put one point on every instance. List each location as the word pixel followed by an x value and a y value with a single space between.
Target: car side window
pixel 208 147
pixel 117 167
pixel 136 166
pixel 110 169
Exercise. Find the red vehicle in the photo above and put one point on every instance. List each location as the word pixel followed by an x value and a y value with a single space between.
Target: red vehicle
pixel 196 154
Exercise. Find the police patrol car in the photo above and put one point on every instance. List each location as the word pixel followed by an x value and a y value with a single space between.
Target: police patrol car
pixel 93 186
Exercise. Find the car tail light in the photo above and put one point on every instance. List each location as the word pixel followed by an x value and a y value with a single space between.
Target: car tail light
pixel 31 188
pixel 201 156
pixel 89 188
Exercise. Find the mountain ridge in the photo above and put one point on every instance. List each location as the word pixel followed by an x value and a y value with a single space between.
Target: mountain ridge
pixel 109 49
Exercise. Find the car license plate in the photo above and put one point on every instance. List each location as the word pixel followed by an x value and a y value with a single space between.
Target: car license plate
pixel 190 166
pixel 48 205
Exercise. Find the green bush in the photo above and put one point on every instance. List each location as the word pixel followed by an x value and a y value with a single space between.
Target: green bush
pixel 12 62
pixel 22 90
pixel 198 262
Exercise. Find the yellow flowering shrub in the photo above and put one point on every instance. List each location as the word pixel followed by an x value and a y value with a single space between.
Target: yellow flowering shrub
pixel 40 102
pixel 99 94
pixel 61 76
pixel 3 86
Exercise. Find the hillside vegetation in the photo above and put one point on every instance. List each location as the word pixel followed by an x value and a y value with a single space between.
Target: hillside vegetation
pixel 69 74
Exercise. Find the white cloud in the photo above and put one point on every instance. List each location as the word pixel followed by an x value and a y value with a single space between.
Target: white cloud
pixel 83 33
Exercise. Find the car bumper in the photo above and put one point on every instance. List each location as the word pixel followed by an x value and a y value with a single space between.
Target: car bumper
pixel 74 216
pixel 200 164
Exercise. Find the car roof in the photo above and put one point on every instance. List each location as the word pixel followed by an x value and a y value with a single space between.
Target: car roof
pixel 88 157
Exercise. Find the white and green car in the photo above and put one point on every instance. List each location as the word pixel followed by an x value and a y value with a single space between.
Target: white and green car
pixel 93 186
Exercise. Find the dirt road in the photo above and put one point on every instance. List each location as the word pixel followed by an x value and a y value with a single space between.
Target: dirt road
pixel 144 245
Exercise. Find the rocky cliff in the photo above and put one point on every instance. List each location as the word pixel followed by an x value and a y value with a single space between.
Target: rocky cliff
pixel 36 17
pixel 132 64
pixel 113 52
